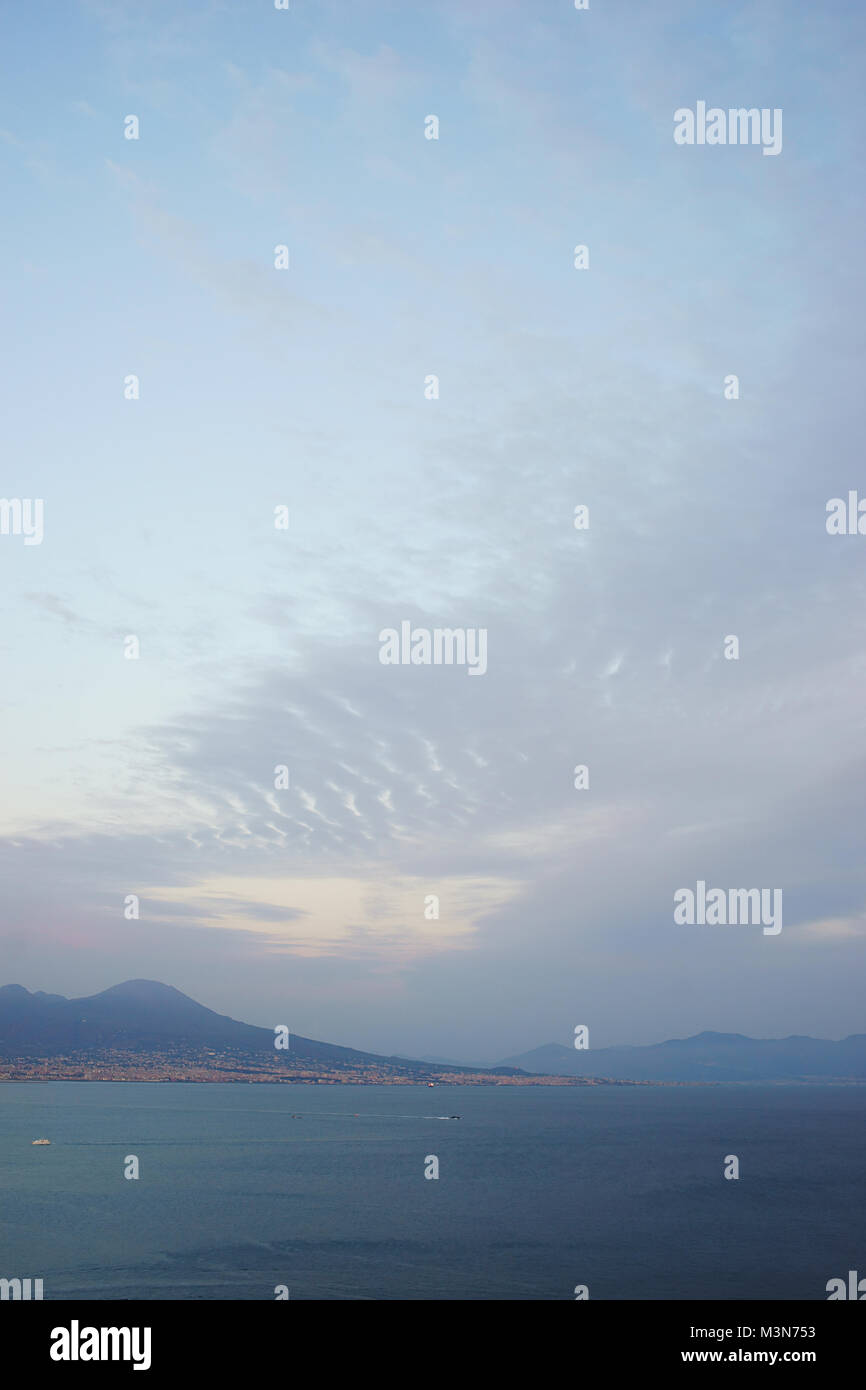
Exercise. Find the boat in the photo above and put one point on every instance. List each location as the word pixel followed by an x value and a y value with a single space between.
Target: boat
pixel 41 1141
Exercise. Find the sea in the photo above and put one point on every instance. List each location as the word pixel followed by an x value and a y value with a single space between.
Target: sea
pixel 322 1192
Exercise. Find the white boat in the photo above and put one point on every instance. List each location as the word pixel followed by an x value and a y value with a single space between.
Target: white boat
pixel 41 1141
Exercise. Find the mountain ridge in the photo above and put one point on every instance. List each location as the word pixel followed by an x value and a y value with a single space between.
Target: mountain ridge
pixel 707 1056
pixel 141 1016
pixel 145 1015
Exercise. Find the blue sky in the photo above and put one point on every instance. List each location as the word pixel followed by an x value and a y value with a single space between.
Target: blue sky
pixel 557 387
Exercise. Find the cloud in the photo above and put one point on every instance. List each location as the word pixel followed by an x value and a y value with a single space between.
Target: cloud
pixel 558 388
pixel 50 603
pixel 834 929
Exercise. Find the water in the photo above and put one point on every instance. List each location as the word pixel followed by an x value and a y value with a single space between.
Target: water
pixel 540 1189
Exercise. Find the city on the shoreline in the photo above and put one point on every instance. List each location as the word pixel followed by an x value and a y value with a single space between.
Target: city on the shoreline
pixel 206 1065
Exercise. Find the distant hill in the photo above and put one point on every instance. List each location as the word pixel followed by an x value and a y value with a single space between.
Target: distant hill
pixel 706 1057
pixel 130 1015
pixel 144 1016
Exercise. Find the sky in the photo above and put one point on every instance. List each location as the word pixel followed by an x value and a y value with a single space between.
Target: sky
pixel 307 388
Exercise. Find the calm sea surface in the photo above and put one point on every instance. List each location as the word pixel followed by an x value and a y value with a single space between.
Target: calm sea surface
pixel 245 1187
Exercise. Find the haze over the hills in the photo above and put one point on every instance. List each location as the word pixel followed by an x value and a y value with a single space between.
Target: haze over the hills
pixel 142 1014
pixel 145 1015
pixel 705 1057
pixel 136 1014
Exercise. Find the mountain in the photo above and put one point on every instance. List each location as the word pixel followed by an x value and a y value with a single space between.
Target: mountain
pixel 706 1057
pixel 143 1016
pixel 128 1015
